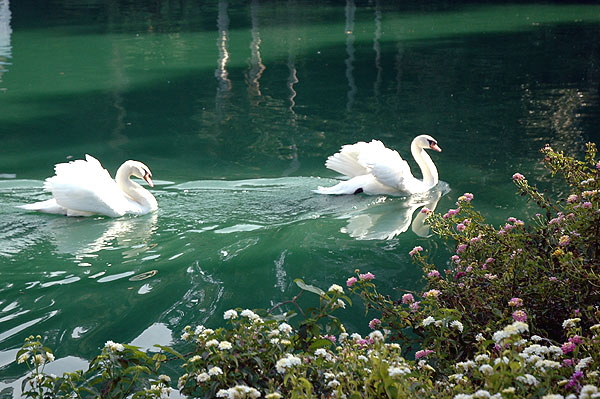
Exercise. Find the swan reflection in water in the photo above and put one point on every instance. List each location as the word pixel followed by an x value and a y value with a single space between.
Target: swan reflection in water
pixel 388 217
pixel 83 236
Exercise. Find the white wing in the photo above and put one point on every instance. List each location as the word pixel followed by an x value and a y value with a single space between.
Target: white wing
pixel 85 186
pixel 348 160
pixel 387 166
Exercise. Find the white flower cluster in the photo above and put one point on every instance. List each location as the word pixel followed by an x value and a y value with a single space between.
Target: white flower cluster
pixel 438 323
pixel 377 336
pixel 239 392
pixel 570 323
pixel 331 380
pixel 322 352
pixel 457 324
pixel 285 328
pixel 199 333
pixel 528 379
pixel 336 288
pixel 541 351
pixel 251 315
pixel 397 371
pixel 225 345
pixel 517 327
pixel 589 392
pixel 38 359
pixel 481 394
pixel 206 375
pixel 114 347
pixel 540 355
pixel 165 392
pixel 230 314
pixel 583 363
pixel 287 362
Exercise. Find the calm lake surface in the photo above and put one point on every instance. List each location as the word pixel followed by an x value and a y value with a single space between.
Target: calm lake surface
pixel 235 106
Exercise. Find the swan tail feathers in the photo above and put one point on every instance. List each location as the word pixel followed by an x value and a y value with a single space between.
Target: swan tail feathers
pixel 338 189
pixel 48 206
pixel 356 185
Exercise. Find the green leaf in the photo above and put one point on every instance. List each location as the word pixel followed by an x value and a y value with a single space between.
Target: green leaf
pixel 320 343
pixel 171 351
pixel 307 287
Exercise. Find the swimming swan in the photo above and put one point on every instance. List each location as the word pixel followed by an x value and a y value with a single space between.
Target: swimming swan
pixel 374 169
pixel 85 188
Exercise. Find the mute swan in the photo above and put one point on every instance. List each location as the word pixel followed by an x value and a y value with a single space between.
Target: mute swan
pixel 374 169
pixel 85 188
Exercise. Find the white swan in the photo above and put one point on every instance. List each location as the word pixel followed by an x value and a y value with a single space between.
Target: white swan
pixel 374 169
pixel 85 188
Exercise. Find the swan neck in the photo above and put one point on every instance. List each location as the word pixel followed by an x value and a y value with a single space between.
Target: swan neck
pixel 138 193
pixel 428 169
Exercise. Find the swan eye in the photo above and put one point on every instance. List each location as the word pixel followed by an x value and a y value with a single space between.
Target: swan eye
pixel 431 142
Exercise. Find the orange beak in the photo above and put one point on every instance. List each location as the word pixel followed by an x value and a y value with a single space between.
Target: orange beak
pixel 148 179
pixel 435 147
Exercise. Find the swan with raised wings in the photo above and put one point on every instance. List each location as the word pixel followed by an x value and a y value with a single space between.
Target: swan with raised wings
pixel 85 188
pixel 375 169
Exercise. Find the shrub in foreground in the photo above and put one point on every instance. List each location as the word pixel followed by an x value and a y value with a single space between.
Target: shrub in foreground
pixel 514 316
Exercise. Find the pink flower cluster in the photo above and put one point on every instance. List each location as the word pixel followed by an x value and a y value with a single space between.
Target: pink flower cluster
pixel 330 337
pixel 572 198
pixel 415 250
pixel 408 298
pixel 366 276
pixel 374 324
pixel 414 307
pixel 571 344
pixel 519 315
pixel 423 353
pixel 515 302
pixel 431 294
pixel 466 197
pixel 451 212
pixel 433 273
pixel 518 176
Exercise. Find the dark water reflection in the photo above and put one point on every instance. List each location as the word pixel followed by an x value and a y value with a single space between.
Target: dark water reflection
pixel 235 105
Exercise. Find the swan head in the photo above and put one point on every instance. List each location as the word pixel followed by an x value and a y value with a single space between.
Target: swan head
pixel 138 169
pixel 427 142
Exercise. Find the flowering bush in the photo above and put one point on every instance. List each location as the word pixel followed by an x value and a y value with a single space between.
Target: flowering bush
pixel 514 316
pixel 119 371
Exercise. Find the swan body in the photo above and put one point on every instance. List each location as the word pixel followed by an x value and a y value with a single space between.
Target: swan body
pixel 85 188
pixel 375 169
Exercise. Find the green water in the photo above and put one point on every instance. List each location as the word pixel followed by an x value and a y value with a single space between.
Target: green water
pixel 235 106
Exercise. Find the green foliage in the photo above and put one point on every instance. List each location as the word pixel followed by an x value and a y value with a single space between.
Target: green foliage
pixel 120 371
pixel 516 315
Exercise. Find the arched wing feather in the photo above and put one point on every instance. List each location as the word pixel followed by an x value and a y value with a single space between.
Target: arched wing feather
pixel 387 166
pixel 348 160
pixel 86 186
